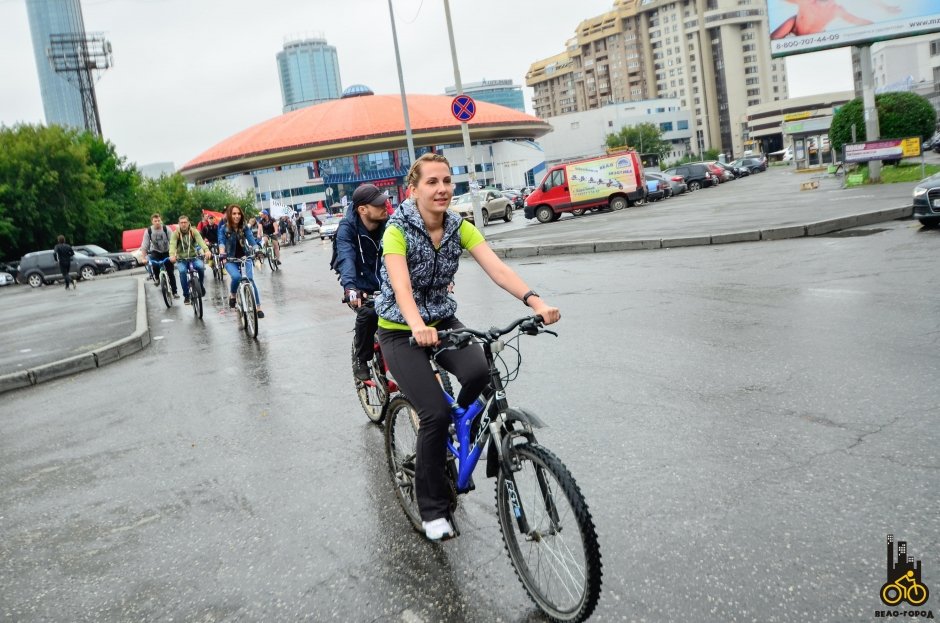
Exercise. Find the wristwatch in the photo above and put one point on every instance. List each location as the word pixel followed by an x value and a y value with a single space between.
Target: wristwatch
pixel 525 297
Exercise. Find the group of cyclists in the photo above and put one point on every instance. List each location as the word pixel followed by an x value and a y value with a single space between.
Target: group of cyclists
pixel 397 274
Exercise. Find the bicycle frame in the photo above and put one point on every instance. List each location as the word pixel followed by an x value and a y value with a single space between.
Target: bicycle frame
pixel 495 416
pixel 159 265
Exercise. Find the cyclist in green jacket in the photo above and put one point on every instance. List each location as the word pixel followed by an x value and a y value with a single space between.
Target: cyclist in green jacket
pixel 186 246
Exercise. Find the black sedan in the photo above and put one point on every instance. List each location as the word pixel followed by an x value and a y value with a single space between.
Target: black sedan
pixel 753 165
pixel 927 201
pixel 121 260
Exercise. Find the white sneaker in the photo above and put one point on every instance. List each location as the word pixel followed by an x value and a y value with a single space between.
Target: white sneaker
pixel 438 529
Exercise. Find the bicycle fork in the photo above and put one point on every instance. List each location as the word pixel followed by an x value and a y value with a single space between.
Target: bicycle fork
pixel 505 458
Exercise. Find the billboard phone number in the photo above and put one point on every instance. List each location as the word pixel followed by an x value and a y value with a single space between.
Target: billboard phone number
pixel 808 41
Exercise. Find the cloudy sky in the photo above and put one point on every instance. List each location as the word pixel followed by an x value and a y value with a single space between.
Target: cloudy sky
pixel 189 73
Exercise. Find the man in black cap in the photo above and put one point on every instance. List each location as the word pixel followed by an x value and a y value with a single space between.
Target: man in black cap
pixel 357 258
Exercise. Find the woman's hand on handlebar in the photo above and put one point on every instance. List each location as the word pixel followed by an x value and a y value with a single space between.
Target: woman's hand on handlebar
pixel 550 315
pixel 425 336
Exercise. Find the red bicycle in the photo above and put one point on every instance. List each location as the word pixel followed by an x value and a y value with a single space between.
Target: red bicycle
pixel 376 392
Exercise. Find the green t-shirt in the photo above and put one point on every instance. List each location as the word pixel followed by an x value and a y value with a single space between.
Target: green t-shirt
pixel 393 243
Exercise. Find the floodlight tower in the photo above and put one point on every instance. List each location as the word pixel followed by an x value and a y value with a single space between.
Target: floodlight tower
pixel 81 58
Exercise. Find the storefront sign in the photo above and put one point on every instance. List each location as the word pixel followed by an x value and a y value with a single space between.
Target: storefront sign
pixel 796 116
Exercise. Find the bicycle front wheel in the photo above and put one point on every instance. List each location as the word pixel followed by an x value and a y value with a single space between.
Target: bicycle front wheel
pixel 195 297
pixel 373 394
pixel 165 289
pixel 401 443
pixel 558 560
pixel 271 261
pixel 250 312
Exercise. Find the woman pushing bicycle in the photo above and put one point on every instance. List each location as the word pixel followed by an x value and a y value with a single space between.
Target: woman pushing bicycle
pixel 421 248
pixel 236 240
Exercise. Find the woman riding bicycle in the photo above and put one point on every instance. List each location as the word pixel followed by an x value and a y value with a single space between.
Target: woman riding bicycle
pixel 237 241
pixel 422 246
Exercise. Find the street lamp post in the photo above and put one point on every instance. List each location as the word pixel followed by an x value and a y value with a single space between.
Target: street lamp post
pixel 401 86
pixel 464 129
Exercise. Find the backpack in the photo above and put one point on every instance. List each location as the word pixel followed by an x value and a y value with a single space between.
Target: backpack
pixel 333 258
pixel 166 232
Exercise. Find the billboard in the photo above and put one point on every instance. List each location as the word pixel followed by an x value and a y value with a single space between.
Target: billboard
pixel 886 149
pixel 799 26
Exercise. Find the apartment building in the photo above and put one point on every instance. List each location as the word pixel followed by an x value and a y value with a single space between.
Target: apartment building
pixel 711 55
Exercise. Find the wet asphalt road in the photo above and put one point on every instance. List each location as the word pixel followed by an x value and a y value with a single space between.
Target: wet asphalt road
pixel 747 423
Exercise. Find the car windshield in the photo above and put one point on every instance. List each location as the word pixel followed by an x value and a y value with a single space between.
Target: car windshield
pixel 463 200
pixel 94 249
pixel 80 255
pixel 333 220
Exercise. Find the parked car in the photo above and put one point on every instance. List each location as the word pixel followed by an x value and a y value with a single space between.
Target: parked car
pixel 931 142
pixel 677 185
pixel 6 279
pixel 10 267
pixel 655 189
pixel 329 225
pixel 721 174
pixel 927 201
pixel 515 197
pixel 492 203
pixel 753 165
pixel 696 175
pixel 311 225
pixel 39 267
pixel 121 260
pixel 730 172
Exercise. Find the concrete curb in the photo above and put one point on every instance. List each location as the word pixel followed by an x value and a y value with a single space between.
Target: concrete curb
pixel 109 353
pixel 783 232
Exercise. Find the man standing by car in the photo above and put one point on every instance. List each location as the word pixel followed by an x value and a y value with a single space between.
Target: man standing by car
pixel 63 254
pixel 358 261
pixel 186 244
pixel 156 243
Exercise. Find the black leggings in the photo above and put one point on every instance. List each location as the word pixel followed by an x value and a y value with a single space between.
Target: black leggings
pixel 412 371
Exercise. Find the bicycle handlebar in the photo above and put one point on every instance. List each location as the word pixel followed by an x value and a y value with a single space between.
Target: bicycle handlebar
pixel 458 338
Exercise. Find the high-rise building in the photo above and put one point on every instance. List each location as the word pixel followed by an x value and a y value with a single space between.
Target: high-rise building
pixel 309 72
pixel 501 92
pixel 61 100
pixel 711 55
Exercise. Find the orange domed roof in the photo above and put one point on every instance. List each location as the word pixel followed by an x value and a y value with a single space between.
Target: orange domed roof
pixel 357 125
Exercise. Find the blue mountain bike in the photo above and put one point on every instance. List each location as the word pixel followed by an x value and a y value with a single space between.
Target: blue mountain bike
pixel 546 526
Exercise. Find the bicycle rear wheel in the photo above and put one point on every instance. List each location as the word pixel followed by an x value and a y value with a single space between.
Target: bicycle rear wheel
pixel 165 289
pixel 401 441
pixel 558 561
pixel 373 394
pixel 250 312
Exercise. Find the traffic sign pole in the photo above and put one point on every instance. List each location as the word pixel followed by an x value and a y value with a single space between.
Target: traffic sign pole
pixel 464 129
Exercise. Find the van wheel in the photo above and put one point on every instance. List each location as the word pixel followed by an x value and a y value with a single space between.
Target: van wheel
pixel 578 212
pixel 618 203
pixel 34 280
pixel 544 214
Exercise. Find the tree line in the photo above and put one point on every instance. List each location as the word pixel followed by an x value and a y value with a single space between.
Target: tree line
pixel 56 180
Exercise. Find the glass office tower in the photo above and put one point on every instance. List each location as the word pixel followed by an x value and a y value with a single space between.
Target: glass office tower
pixel 61 100
pixel 309 72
